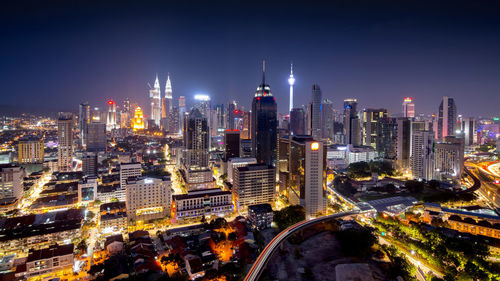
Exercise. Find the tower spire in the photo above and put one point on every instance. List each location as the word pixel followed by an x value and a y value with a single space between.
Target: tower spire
pixel 291 81
pixel 263 72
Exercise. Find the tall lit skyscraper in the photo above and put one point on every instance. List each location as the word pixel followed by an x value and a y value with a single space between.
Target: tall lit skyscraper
pixel 111 117
pixel 182 111
pixel 408 107
pixel 65 138
pixel 327 119
pixel 166 107
pixel 469 128
pixel 264 124
pixel 403 142
pixel 370 120
pixel 422 155
pixel 352 130
pixel 155 100
pixel 83 120
pixel 315 113
pixel 96 137
pixel 447 122
pixel 297 121
pixel 291 81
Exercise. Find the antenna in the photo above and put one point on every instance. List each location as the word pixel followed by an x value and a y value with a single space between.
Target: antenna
pixel 263 72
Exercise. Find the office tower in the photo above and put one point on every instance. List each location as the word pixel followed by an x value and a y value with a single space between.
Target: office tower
pixel 403 142
pixel 297 121
pixel 264 125
pixel 253 184
pixel 370 120
pixel 30 150
pixel 98 115
pixel 11 184
pixel 111 118
pixel 87 189
pixel 449 158
pixel 220 115
pixel 314 118
pixel 127 170
pixel 148 198
pixel 246 125
pixel 196 140
pixel 155 101
pixel 96 137
pixel 236 162
pixel 291 81
pixel 352 130
pixel 307 168
pixel 182 111
pixel 166 107
pixel 232 144
pixel 327 119
pixel 89 164
pixel 387 136
pixel 231 115
pixel 408 107
pixel 173 120
pixel 422 155
pixel 245 148
pixel 65 139
pixel 469 128
pixel 447 122
pixel 138 120
pixel 126 107
pixel 83 119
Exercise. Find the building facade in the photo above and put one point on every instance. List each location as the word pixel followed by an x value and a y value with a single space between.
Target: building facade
pixel 148 198
pixel 30 150
pixel 253 184
pixel 65 138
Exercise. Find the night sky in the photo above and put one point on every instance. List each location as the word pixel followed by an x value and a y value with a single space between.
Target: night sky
pixel 56 54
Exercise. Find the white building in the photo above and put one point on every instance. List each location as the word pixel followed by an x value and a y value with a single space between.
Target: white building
pixel 148 198
pixel 238 162
pixel 449 158
pixel 48 263
pixel 422 155
pixel 253 184
pixel 11 185
pixel 127 170
pixel 65 139
pixel 360 154
pixel 206 202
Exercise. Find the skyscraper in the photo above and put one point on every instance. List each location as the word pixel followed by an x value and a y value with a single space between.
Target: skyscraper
pixel 449 158
pixel 155 100
pixel 65 138
pixel 469 128
pixel 327 119
pixel 232 144
pixel 387 136
pixel 167 107
pixel 111 117
pixel 408 107
pixel 447 122
pixel 370 120
pixel 264 124
pixel 307 168
pixel 315 113
pixel 352 130
pixel 422 155
pixel 297 121
pixel 291 81
pixel 253 184
pixel 403 142
pixel 83 120
pixel 96 137
pixel 182 111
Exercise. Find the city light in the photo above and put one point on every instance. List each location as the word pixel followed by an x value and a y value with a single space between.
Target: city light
pixel 201 97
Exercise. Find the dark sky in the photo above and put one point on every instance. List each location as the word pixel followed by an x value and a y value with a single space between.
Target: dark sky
pixel 56 54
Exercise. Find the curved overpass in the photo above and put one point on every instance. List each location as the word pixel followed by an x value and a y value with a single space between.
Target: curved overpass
pixel 260 263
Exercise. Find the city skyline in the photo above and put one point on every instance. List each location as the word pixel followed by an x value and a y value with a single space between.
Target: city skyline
pixel 375 53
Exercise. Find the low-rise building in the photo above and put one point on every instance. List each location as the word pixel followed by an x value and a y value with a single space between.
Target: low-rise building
pixel 11 186
pixel 52 262
pixel 113 217
pixel 199 203
pixel 260 216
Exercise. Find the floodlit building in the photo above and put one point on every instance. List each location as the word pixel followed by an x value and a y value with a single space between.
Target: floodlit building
pixel 253 184
pixel 199 203
pixel 50 263
pixel 127 170
pixel 87 189
pixel 371 117
pixel 148 198
pixel 260 216
pixel 30 150
pixel 138 121
pixel 408 107
pixel 422 155
pixel 449 158
pixel 11 186
pixel 65 138
pixel 447 122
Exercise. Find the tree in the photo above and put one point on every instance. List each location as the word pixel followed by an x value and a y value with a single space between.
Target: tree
pixel 82 246
pixel 434 184
pixel 289 216
pixel 414 186
pixel 356 242
pixel 358 170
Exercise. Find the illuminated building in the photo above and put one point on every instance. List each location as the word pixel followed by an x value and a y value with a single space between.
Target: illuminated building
pixel 360 154
pixel 96 137
pixel 260 216
pixel 246 126
pixel 166 107
pixel 87 189
pixel 238 162
pixel 352 131
pixel 155 100
pixel 199 203
pixel 307 170
pixel 253 184
pixel 327 119
pixel 403 143
pixel 65 138
pixel 232 144
pixel 422 155
pixel 449 158
pixel 182 111
pixel 469 128
pixel 30 150
pixel 264 124
pixel 138 120
pixel 173 121
pixel 111 118
pixel 127 170
pixel 11 186
pixel 408 107
pixel 113 216
pixel 54 262
pixel 148 198
pixel 371 118
pixel 387 136
pixel 291 82
pixel 83 119
pixel 447 122
pixel 314 113
pixel 89 164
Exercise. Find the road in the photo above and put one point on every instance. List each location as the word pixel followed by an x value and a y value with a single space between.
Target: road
pixel 260 263
pixel 488 189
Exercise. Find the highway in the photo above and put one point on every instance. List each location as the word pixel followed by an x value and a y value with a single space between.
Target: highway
pixel 487 188
pixel 261 262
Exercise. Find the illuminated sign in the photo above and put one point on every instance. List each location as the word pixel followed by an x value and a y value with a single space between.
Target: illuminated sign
pixel 315 146
pixel 408 99
pixel 148 211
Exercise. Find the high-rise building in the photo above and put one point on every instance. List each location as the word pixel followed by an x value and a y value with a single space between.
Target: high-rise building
pixel 155 101
pixel 30 150
pixel 173 120
pixel 166 107
pixel 111 118
pixel 449 158
pixel 148 198
pixel 403 148
pixel 327 119
pixel 11 184
pixel 447 122
pixel 370 120
pixel 314 120
pixel 231 112
pixel 65 139
pixel 352 130
pixel 96 137
pixel 253 184
pixel 387 136
pixel 138 120
pixel 291 82
pixel 408 107
pixel 127 170
pixel 236 162
pixel 422 155
pixel 246 125
pixel 297 121
pixel 196 140
pixel 83 119
pixel 264 125
pixel 307 170
pixel 232 144
pixel 469 128
pixel 182 111
pixel 89 164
